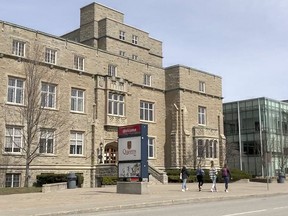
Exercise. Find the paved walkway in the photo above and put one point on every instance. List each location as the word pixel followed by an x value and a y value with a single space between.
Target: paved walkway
pixel 73 201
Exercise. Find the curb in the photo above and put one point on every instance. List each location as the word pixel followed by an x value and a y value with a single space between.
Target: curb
pixel 156 204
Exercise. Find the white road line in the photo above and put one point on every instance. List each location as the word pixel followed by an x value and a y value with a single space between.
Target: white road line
pixel 283 207
pixel 243 213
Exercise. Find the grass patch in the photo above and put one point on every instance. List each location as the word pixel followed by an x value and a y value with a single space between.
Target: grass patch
pixel 7 191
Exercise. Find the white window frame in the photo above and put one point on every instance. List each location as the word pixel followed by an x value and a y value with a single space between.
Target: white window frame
pixel 134 57
pixel 112 70
pixel 147 110
pixel 151 147
pixel 202 111
pixel 122 53
pixel 116 104
pixel 77 100
pixel 13 139
pixel 147 79
pixel 79 62
pixel 48 95
pixel 12 180
pixel 121 35
pixel 134 39
pixel 202 86
pixel 50 56
pixel 76 143
pixel 46 141
pixel 15 90
pixel 18 48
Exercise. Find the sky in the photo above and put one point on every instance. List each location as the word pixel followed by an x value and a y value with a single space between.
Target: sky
pixel 243 41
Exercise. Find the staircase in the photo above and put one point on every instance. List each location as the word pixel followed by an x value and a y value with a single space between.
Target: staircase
pixel 157 176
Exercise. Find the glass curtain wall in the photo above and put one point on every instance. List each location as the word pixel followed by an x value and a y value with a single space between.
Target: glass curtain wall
pixel 256 131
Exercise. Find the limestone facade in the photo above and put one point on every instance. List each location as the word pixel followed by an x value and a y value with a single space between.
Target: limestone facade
pixel 115 73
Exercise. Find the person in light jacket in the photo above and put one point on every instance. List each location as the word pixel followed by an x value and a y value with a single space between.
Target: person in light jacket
pixel 213 176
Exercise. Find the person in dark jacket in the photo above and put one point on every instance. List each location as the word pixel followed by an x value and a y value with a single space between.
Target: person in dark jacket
pixel 185 175
pixel 226 175
pixel 199 175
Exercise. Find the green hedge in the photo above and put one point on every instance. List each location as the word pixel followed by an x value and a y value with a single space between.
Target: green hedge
pixel 50 178
pixel 109 180
pixel 173 175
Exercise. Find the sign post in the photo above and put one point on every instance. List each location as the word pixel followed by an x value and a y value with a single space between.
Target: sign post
pixel 132 158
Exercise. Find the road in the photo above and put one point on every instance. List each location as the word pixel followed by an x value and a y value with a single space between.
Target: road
pixel 266 206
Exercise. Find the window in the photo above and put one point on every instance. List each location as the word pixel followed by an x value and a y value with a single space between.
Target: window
pixel 48 95
pixel 50 56
pixel 12 180
pixel 13 139
pixel 146 111
pixel 122 53
pixel 215 148
pixel 46 142
pixel 202 86
pixel 134 39
pixel 151 146
pixel 147 79
pixel 79 63
pixel 200 148
pixel 116 104
pixel 201 115
pixel 76 143
pixel 15 90
pixel 134 57
pixel 77 100
pixel 112 70
pixel 18 48
pixel 122 35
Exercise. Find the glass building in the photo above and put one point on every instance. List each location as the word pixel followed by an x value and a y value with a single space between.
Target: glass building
pixel 256 131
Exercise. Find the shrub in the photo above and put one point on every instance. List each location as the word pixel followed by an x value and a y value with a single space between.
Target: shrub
pixel 173 175
pixel 50 178
pixel 109 180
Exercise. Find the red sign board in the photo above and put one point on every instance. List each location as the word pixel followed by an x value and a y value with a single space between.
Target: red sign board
pixel 129 130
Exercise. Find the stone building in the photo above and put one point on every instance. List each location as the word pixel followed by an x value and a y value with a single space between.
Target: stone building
pixel 94 79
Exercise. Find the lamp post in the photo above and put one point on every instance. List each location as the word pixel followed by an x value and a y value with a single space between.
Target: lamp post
pixel 100 156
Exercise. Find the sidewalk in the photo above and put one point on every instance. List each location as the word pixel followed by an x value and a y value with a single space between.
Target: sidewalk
pixel 79 200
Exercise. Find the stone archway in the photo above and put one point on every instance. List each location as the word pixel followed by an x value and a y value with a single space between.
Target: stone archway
pixel 111 153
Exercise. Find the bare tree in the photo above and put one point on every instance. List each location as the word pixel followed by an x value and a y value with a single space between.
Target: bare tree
pixel 38 125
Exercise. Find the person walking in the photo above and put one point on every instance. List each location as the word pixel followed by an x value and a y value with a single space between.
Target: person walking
pixel 200 175
pixel 226 175
pixel 213 176
pixel 185 175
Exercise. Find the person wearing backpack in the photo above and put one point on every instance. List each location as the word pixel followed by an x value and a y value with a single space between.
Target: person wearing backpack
pixel 226 175
pixel 200 175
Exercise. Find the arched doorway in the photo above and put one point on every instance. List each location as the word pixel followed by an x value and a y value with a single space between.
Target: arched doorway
pixel 111 153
